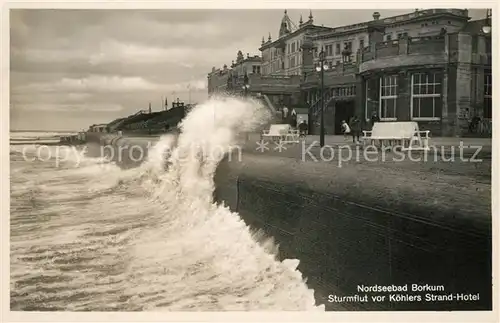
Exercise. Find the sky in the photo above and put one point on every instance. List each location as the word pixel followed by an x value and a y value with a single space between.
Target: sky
pixel 73 68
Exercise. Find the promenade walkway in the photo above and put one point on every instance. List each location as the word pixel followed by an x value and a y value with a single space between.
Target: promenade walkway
pixel 334 140
pixel 434 141
pixel 473 160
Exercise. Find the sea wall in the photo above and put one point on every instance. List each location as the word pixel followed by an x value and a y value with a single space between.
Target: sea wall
pixel 354 226
pixel 350 228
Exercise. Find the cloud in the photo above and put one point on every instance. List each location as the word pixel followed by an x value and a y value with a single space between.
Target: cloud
pixel 111 52
pixel 107 84
pixel 62 107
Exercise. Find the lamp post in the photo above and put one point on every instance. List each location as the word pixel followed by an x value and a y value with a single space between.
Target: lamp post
pixel 487 27
pixel 321 68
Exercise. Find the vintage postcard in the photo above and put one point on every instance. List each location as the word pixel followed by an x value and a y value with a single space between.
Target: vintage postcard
pixel 285 158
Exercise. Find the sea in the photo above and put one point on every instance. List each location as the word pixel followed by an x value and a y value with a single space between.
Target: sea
pixel 87 234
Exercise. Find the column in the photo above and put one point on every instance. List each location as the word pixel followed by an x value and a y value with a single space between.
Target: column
pixel 449 114
pixel 359 102
pixel 479 88
pixel 463 83
pixel 404 96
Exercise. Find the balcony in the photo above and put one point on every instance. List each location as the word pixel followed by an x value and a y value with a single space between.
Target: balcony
pixel 427 12
pixel 273 84
pixel 404 52
pixel 340 74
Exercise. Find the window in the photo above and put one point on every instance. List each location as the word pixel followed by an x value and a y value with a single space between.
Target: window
pixel 361 43
pixel 487 112
pixel 337 49
pixel 348 45
pixel 388 97
pixel 254 69
pixel 292 62
pixel 388 37
pixel 426 98
pixel 401 35
pixel 371 96
pixel 293 47
pixel 329 50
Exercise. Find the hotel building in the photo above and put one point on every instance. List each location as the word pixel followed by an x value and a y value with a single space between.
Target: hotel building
pixel 431 66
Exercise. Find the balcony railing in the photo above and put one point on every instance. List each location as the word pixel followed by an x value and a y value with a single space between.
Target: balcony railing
pixel 316 105
pixel 413 15
pixel 415 45
pixel 485 127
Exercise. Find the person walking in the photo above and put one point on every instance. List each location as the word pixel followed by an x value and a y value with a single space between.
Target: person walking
pixel 345 129
pixel 303 129
pixel 285 114
pixel 293 121
pixel 355 125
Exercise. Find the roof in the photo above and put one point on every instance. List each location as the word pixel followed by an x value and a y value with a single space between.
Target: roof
pixel 394 20
pixel 304 28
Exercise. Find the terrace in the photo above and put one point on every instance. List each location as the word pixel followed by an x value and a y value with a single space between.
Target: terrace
pixel 404 52
pixel 340 74
pixel 272 83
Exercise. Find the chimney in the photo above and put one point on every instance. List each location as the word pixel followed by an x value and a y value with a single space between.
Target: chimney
pixel 376 31
pixel 376 15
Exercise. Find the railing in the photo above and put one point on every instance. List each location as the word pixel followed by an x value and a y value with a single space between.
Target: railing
pixel 415 45
pixel 274 80
pixel 485 126
pixel 424 45
pixel 316 105
pixel 413 15
pixel 387 48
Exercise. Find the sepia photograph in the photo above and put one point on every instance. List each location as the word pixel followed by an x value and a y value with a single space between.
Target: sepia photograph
pixel 217 160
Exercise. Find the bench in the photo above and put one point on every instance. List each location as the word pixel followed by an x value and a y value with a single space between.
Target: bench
pixel 281 132
pixel 407 133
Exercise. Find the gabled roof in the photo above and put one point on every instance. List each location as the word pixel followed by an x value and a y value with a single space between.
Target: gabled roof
pixel 305 28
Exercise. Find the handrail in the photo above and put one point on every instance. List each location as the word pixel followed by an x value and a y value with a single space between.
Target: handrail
pixel 315 107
